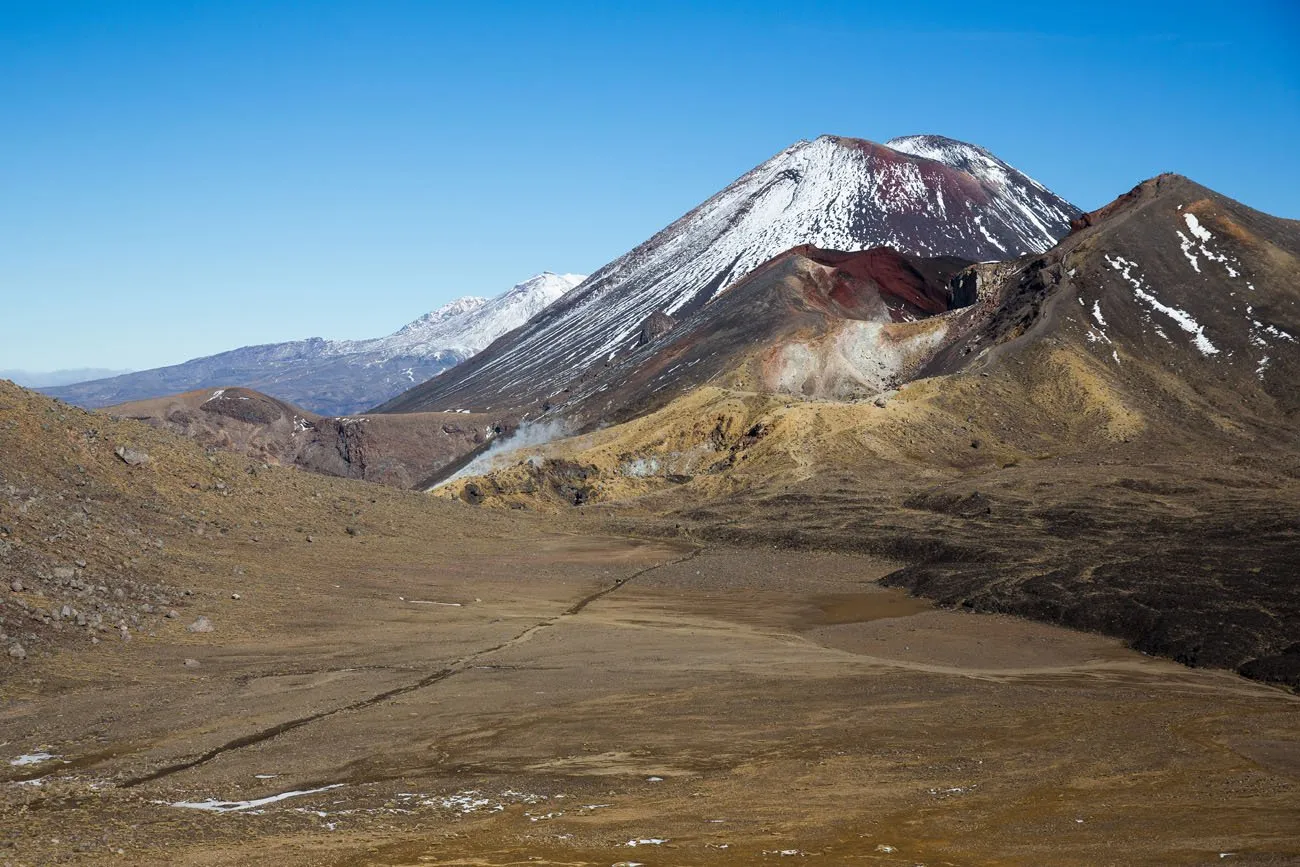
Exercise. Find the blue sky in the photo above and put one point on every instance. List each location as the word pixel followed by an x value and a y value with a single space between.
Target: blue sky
pixel 179 178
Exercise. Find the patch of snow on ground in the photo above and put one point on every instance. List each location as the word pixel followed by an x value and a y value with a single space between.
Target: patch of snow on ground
pixel 1186 244
pixel 1257 331
pixel 1204 236
pixel 469 801
pixel 1194 226
pixel 31 759
pixel 1278 332
pixel 979 223
pixel 1182 318
pixel 216 806
pixel 1096 313
pixel 466 802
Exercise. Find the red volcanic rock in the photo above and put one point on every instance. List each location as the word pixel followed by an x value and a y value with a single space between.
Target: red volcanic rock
pixel 859 277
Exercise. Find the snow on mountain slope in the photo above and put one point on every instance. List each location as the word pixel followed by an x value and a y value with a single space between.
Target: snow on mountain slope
pixel 1023 205
pixel 832 193
pixel 467 325
pixel 338 377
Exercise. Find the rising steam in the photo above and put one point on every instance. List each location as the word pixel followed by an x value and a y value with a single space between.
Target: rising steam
pixel 530 434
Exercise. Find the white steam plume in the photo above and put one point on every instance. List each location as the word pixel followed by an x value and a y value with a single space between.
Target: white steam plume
pixel 528 435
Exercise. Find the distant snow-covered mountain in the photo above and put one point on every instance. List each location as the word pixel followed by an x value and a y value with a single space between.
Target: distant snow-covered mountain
pixel 337 377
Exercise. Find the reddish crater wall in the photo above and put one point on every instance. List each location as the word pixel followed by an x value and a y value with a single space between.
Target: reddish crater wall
pixel 858 277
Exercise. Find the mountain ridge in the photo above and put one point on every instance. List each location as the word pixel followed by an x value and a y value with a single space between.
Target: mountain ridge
pixel 339 377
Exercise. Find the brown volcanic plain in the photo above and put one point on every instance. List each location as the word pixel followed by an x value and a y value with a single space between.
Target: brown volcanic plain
pixel 459 685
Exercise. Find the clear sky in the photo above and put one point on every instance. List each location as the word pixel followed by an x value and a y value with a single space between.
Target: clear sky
pixel 178 178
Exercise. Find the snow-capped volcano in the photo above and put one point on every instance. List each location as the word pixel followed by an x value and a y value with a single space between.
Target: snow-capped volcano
pixel 833 193
pixel 337 377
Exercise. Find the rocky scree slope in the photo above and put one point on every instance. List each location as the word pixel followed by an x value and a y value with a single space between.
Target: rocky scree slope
pixel 831 193
pixel 1196 292
pixel 339 377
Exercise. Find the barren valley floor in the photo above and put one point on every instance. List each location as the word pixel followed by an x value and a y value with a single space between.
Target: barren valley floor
pixel 525 690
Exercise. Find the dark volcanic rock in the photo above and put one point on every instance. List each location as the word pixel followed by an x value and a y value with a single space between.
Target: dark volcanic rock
pixel 963 506
pixel 655 326
pixel 1281 668
pixel 244 405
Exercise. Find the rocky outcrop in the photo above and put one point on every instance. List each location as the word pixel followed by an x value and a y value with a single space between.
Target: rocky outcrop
pixel 656 325
pixel 399 451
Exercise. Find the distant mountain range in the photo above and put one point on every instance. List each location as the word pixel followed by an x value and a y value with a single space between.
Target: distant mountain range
pixel 339 377
pixel 51 378
pixel 926 196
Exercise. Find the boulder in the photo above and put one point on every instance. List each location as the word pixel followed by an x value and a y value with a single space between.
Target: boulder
pixel 655 326
pixel 132 457
pixel 202 624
